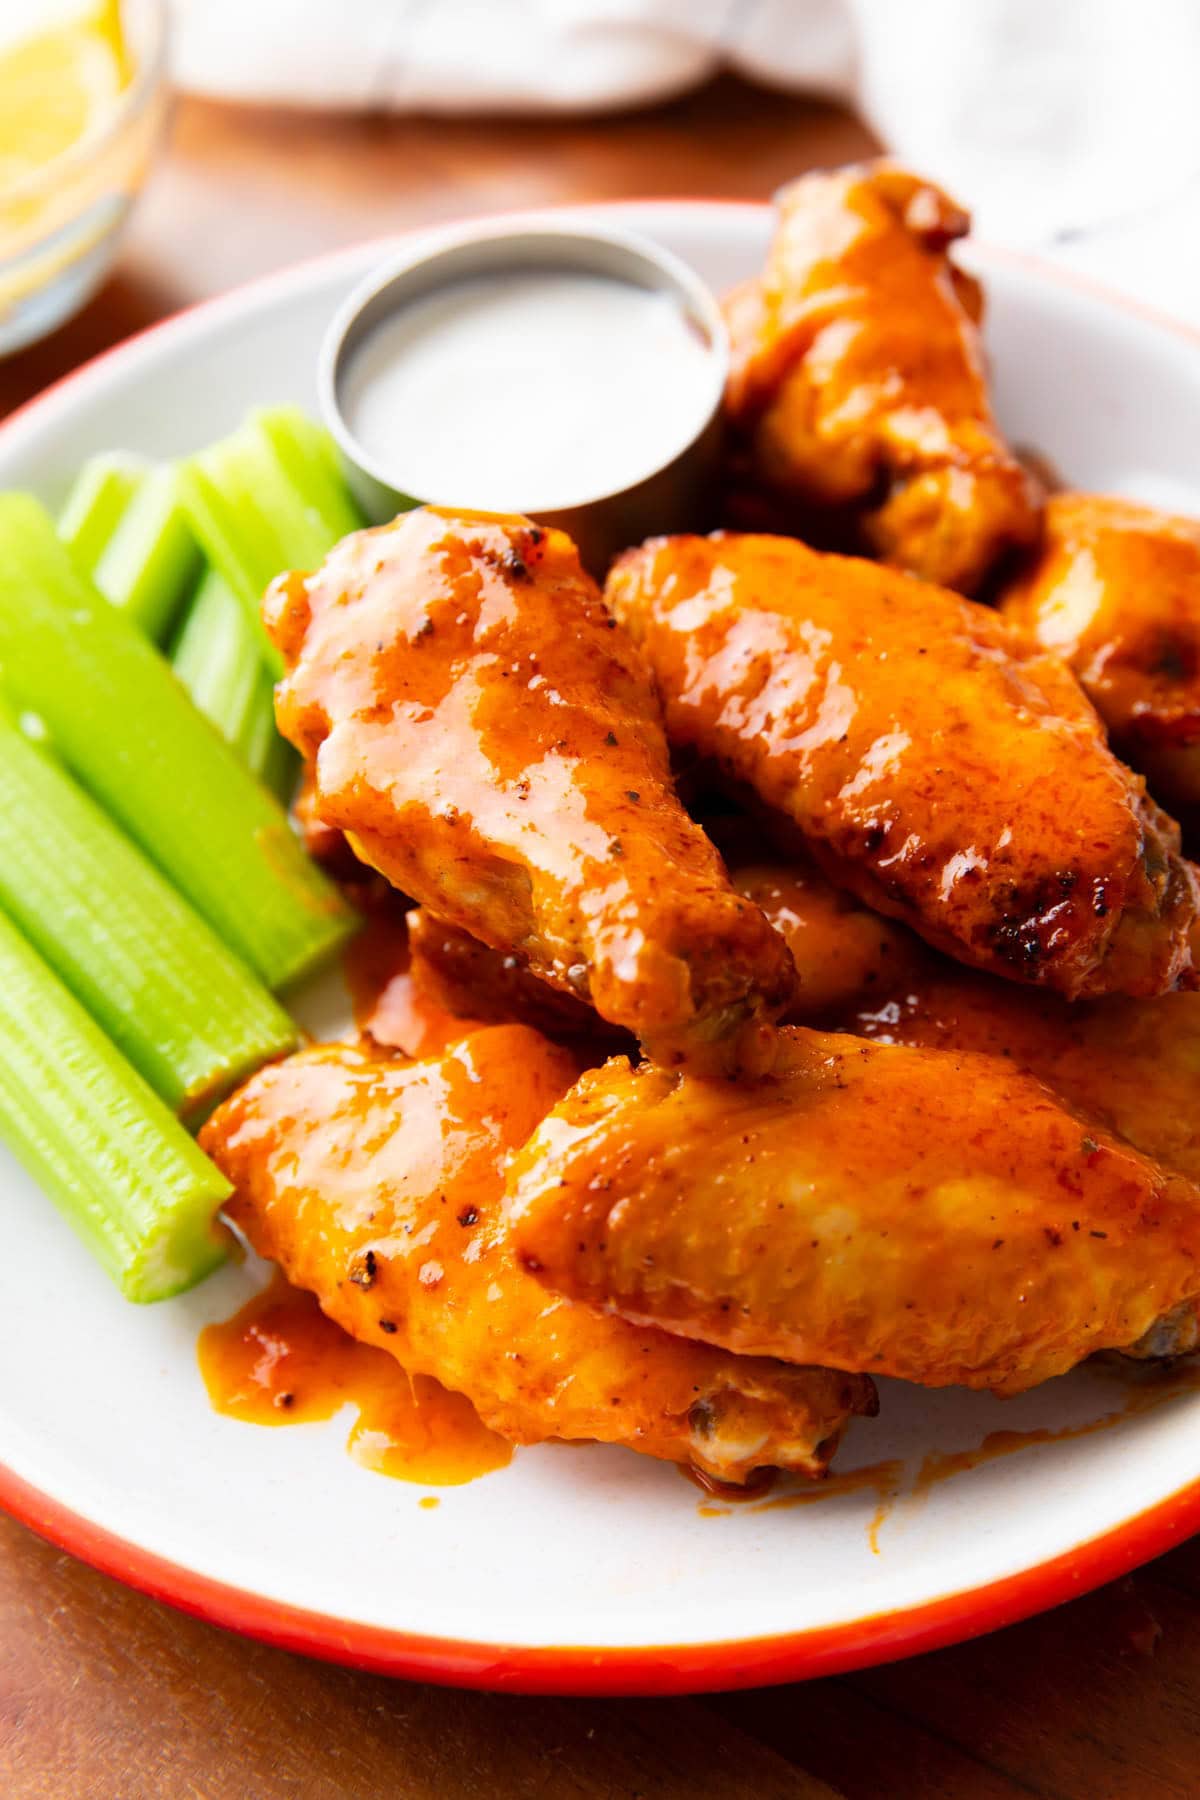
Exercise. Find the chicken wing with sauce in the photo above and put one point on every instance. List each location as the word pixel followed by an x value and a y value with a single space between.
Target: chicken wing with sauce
pixel 377 1182
pixel 1132 1065
pixel 489 739
pixel 857 388
pixel 455 972
pixel 1115 590
pixel 942 1218
pixel 942 768
pixel 845 954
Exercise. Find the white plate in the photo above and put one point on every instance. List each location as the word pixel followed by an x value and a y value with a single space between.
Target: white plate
pixel 584 1569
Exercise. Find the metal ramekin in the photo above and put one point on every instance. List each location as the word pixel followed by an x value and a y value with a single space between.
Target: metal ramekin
pixel 669 498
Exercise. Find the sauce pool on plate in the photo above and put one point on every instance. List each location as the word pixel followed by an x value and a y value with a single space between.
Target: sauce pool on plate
pixel 528 389
pixel 280 1361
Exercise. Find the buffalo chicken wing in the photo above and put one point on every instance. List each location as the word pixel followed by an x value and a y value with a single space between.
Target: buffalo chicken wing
pixel 376 1182
pixel 947 772
pixel 1132 1065
pixel 858 393
pixel 1116 592
pixel 489 740
pixel 938 1217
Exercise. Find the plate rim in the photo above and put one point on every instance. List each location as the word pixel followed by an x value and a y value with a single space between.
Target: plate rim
pixel 651 1670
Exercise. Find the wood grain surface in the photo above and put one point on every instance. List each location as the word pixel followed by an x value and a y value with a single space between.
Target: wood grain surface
pixel 107 1695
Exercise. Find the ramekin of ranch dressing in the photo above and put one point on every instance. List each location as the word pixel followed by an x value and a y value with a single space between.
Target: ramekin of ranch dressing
pixel 573 375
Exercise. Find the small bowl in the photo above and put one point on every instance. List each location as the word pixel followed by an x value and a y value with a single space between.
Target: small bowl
pixel 670 496
pixel 60 225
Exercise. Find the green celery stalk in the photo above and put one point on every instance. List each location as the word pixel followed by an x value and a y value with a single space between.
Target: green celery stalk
pixel 124 725
pixel 262 749
pixel 92 510
pixel 123 1171
pixel 266 499
pixel 308 455
pixel 189 1016
pixel 217 657
pixel 151 561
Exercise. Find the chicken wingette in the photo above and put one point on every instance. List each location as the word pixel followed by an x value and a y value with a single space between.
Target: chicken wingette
pixel 377 1183
pixel 490 741
pixel 942 1218
pixel 857 399
pixel 1115 590
pixel 1133 1065
pixel 949 773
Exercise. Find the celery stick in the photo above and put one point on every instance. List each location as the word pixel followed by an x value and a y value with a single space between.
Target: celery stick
pixel 92 511
pixel 123 1171
pixel 308 454
pixel 217 657
pixel 152 559
pixel 260 746
pixel 124 725
pixel 189 1016
pixel 257 512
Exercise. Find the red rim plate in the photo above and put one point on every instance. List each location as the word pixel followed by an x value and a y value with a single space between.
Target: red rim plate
pixel 657 1669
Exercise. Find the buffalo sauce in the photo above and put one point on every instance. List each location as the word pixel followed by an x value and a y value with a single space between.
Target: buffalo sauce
pixel 387 1004
pixel 893 1483
pixel 280 1361
pixel 1149 1388
pixel 732 1493
pixel 883 1479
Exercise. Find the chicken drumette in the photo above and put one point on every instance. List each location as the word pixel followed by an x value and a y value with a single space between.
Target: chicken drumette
pixel 377 1182
pixel 948 772
pixel 857 399
pixel 490 740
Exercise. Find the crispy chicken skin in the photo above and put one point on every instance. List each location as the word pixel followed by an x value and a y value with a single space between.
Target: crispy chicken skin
pixel 858 384
pixel 1116 591
pixel 490 741
pixel 939 766
pixel 937 1217
pixel 377 1183
pixel 1132 1065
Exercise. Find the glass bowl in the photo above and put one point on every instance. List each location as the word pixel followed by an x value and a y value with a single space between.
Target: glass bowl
pixel 59 226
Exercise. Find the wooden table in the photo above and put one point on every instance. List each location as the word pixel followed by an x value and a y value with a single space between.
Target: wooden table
pixel 105 1695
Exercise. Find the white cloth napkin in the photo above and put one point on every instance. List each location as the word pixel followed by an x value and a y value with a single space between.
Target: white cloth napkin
pixel 1068 124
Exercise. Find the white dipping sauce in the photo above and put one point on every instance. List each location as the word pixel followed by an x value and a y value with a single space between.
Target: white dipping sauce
pixel 528 390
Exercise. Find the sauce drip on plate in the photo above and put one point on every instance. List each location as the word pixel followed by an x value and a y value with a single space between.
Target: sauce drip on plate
pixel 280 1361
pixel 1146 1388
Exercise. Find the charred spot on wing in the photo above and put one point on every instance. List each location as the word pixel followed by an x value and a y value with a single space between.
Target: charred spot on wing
pixel 363 1270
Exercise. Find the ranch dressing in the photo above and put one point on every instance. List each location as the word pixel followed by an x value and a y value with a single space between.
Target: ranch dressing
pixel 528 389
